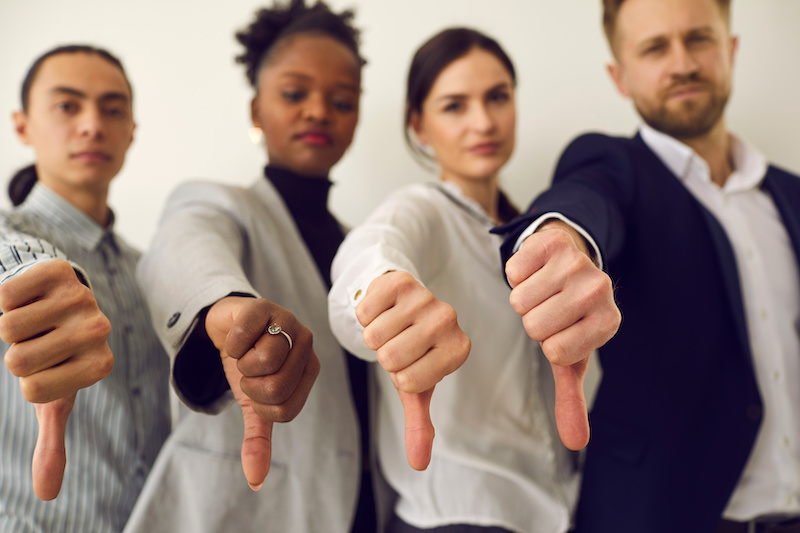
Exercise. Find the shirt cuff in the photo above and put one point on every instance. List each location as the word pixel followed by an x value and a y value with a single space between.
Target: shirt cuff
pixel 536 224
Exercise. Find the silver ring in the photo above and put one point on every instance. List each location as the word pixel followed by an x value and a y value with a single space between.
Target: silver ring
pixel 275 329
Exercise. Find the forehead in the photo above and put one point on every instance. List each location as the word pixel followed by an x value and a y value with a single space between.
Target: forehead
pixel 477 71
pixel 314 56
pixel 84 72
pixel 639 20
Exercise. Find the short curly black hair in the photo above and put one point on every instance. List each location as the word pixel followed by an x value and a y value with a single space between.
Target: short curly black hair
pixel 273 24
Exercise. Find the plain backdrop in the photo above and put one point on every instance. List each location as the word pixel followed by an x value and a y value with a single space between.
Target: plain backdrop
pixel 192 101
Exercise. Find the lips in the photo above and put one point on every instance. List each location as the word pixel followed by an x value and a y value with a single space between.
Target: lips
pixel 91 156
pixel 315 138
pixel 487 148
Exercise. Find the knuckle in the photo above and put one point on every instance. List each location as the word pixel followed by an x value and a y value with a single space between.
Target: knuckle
pixel 104 363
pixel 532 328
pixel 15 362
pixel 554 351
pixel 372 338
pixel 10 328
pixel 284 412
pixel 32 390
pixel 387 358
pixel 517 300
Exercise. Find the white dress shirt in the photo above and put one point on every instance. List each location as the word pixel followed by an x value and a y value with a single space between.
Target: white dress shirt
pixel 770 283
pixel 497 460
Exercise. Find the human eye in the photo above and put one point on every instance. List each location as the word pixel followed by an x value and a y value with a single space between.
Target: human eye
pixel 67 107
pixel 115 112
pixel 453 107
pixel 499 96
pixel 654 49
pixel 293 95
pixel 343 106
pixel 698 39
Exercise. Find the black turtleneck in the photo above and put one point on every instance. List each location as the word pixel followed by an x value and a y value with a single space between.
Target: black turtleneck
pixel 307 201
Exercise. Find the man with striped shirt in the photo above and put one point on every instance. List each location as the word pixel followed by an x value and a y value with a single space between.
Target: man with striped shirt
pixel 64 276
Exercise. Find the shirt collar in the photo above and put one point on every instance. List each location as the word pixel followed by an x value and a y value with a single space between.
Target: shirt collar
pixel 50 206
pixel 750 165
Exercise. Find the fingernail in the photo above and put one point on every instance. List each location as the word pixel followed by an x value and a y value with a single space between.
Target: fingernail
pixel 256 488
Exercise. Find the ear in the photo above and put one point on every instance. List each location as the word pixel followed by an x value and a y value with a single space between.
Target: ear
pixel 415 123
pixel 254 112
pixel 617 74
pixel 20 120
pixel 734 48
pixel 133 129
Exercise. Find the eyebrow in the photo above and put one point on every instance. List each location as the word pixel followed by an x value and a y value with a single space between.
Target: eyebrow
pixel 457 96
pixel 305 77
pixel 80 94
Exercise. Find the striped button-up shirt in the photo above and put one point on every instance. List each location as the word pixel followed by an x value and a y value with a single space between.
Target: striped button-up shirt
pixel 117 425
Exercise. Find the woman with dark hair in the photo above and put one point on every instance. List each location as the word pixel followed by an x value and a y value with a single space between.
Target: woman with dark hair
pixel 237 280
pixel 497 464
pixel 65 278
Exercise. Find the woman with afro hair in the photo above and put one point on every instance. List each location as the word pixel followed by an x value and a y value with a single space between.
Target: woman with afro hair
pixel 237 280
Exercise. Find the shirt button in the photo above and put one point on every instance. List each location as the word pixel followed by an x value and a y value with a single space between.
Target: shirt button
pixel 753 412
pixel 749 252
pixel 764 314
pixel 173 320
pixel 786 442
pixel 136 391
pixel 358 293
pixel 777 375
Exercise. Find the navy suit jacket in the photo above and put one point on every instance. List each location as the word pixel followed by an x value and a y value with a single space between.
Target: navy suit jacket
pixel 678 408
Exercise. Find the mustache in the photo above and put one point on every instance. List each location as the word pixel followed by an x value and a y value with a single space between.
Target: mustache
pixel 680 80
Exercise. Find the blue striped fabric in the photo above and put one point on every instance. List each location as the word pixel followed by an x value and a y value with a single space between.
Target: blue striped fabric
pixel 117 425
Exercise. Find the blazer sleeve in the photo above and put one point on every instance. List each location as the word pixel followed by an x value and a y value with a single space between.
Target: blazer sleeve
pixel 392 238
pixel 593 187
pixel 194 260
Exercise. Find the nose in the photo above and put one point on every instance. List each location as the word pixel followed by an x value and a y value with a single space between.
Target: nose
pixel 683 61
pixel 91 123
pixel 482 119
pixel 316 109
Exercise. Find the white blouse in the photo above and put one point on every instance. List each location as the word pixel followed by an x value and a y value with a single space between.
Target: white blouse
pixel 497 460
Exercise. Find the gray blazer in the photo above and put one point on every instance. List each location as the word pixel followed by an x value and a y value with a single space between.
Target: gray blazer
pixel 214 240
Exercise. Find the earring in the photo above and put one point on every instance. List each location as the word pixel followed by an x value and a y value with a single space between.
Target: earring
pixel 255 134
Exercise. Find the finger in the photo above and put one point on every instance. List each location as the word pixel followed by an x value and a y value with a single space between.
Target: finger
pixel 67 378
pixel 256 447
pixel 288 410
pixel 386 326
pixel 278 387
pixel 572 417
pixel 83 335
pixel 528 259
pixel 257 441
pixel 267 356
pixel 35 283
pixel 381 295
pixel 419 428
pixel 427 369
pixel 49 456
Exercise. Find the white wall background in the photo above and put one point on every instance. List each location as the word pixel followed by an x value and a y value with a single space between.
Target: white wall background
pixel 191 100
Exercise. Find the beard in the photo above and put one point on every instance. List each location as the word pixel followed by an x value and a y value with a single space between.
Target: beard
pixel 693 117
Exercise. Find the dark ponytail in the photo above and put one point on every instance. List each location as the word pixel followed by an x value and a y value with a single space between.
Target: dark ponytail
pixel 21 184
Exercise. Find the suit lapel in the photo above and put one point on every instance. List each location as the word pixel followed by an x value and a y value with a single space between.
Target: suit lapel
pixel 726 260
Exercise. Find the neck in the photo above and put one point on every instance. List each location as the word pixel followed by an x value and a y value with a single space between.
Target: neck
pixel 484 191
pixel 715 148
pixel 91 202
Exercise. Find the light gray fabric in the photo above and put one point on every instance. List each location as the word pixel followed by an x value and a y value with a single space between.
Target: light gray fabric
pixel 117 425
pixel 214 240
